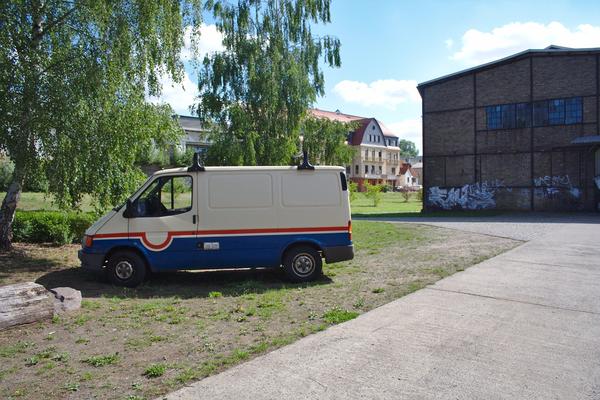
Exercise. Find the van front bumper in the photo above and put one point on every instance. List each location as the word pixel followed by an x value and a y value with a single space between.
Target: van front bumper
pixel 338 253
pixel 91 261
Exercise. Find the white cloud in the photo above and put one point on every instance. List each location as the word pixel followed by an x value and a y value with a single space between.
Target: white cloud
pixel 409 129
pixel 479 47
pixel 210 41
pixel 386 92
pixel 179 95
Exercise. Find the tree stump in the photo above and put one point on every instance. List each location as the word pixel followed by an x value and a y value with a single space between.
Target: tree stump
pixel 24 303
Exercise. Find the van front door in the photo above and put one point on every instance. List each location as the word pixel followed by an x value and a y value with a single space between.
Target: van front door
pixel 163 221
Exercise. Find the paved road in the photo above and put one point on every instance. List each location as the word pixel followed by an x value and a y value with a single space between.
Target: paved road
pixel 523 325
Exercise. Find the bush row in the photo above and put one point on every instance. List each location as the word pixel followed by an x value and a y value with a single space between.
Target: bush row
pixel 51 226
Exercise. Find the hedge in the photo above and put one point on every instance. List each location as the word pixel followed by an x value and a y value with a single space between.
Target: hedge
pixel 51 226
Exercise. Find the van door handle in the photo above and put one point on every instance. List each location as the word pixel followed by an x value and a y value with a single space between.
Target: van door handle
pixel 194 219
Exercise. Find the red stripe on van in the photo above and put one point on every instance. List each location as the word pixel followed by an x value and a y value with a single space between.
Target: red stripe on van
pixel 173 234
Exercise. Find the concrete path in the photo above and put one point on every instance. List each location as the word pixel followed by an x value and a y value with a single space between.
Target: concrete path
pixel 523 325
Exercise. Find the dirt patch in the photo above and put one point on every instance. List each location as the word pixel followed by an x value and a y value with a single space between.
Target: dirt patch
pixel 179 327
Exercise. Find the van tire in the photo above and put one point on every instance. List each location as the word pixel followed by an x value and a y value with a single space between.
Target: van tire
pixel 302 264
pixel 126 268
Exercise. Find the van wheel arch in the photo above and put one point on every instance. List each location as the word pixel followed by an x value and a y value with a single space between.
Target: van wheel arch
pixel 128 248
pixel 308 243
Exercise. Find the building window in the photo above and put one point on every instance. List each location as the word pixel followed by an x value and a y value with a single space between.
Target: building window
pixel 380 170
pixel 508 116
pixel 540 113
pixel 356 169
pixel 372 169
pixel 393 170
pixel 573 111
pixel 366 169
pixel 556 112
pixel 379 156
pixel 523 115
pixel 348 170
pixel 494 117
pixel 366 154
pixel 545 112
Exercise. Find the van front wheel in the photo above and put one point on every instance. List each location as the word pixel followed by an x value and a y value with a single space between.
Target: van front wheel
pixel 126 268
pixel 302 264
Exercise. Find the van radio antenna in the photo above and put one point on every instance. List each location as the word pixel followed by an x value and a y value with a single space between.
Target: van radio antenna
pixel 196 165
pixel 305 163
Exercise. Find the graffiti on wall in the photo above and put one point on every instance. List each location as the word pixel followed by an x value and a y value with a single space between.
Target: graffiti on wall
pixel 555 187
pixel 476 196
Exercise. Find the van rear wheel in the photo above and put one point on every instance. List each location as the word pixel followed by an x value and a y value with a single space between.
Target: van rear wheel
pixel 302 264
pixel 126 268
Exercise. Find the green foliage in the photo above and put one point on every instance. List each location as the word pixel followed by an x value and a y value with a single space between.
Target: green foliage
pixel 155 370
pixel 74 77
pixel 256 92
pixel 405 192
pixel 6 172
pixel 420 194
pixel 165 157
pixel 337 315
pixel 373 192
pixel 102 360
pixel 51 226
pixel 325 141
pixel 352 189
pixel 407 148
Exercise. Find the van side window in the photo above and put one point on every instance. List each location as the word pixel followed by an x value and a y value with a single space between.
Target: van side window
pixel 167 195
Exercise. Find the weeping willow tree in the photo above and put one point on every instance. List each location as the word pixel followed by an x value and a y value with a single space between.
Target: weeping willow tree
pixel 256 92
pixel 74 76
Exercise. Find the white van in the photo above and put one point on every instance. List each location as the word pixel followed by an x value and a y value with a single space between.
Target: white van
pixel 225 217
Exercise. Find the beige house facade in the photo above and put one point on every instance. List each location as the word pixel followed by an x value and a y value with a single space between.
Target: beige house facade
pixel 377 158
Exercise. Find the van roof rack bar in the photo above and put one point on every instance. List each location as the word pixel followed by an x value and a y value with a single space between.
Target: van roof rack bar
pixel 305 163
pixel 196 166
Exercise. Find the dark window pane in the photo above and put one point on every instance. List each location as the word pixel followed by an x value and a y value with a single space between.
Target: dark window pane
pixel 556 112
pixel 508 116
pixel 540 113
pixel 494 117
pixel 523 119
pixel 573 111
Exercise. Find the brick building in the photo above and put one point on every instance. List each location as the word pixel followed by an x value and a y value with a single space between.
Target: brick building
pixel 520 133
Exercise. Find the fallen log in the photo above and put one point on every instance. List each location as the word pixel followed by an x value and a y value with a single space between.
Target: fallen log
pixel 23 303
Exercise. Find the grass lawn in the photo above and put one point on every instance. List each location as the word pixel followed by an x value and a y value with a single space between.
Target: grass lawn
pixel 41 201
pixel 180 327
pixel 391 203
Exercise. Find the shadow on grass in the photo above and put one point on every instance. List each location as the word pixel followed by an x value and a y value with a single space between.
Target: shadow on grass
pixel 182 284
pixel 17 261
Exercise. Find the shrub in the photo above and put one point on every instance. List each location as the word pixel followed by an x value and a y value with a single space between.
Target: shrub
pixel 50 226
pixel 373 193
pixel 420 194
pixel 405 194
pixel 352 188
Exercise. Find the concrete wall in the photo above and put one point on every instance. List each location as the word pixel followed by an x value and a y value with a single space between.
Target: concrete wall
pixel 467 166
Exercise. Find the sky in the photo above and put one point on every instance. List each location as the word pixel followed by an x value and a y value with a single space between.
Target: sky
pixel 388 47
